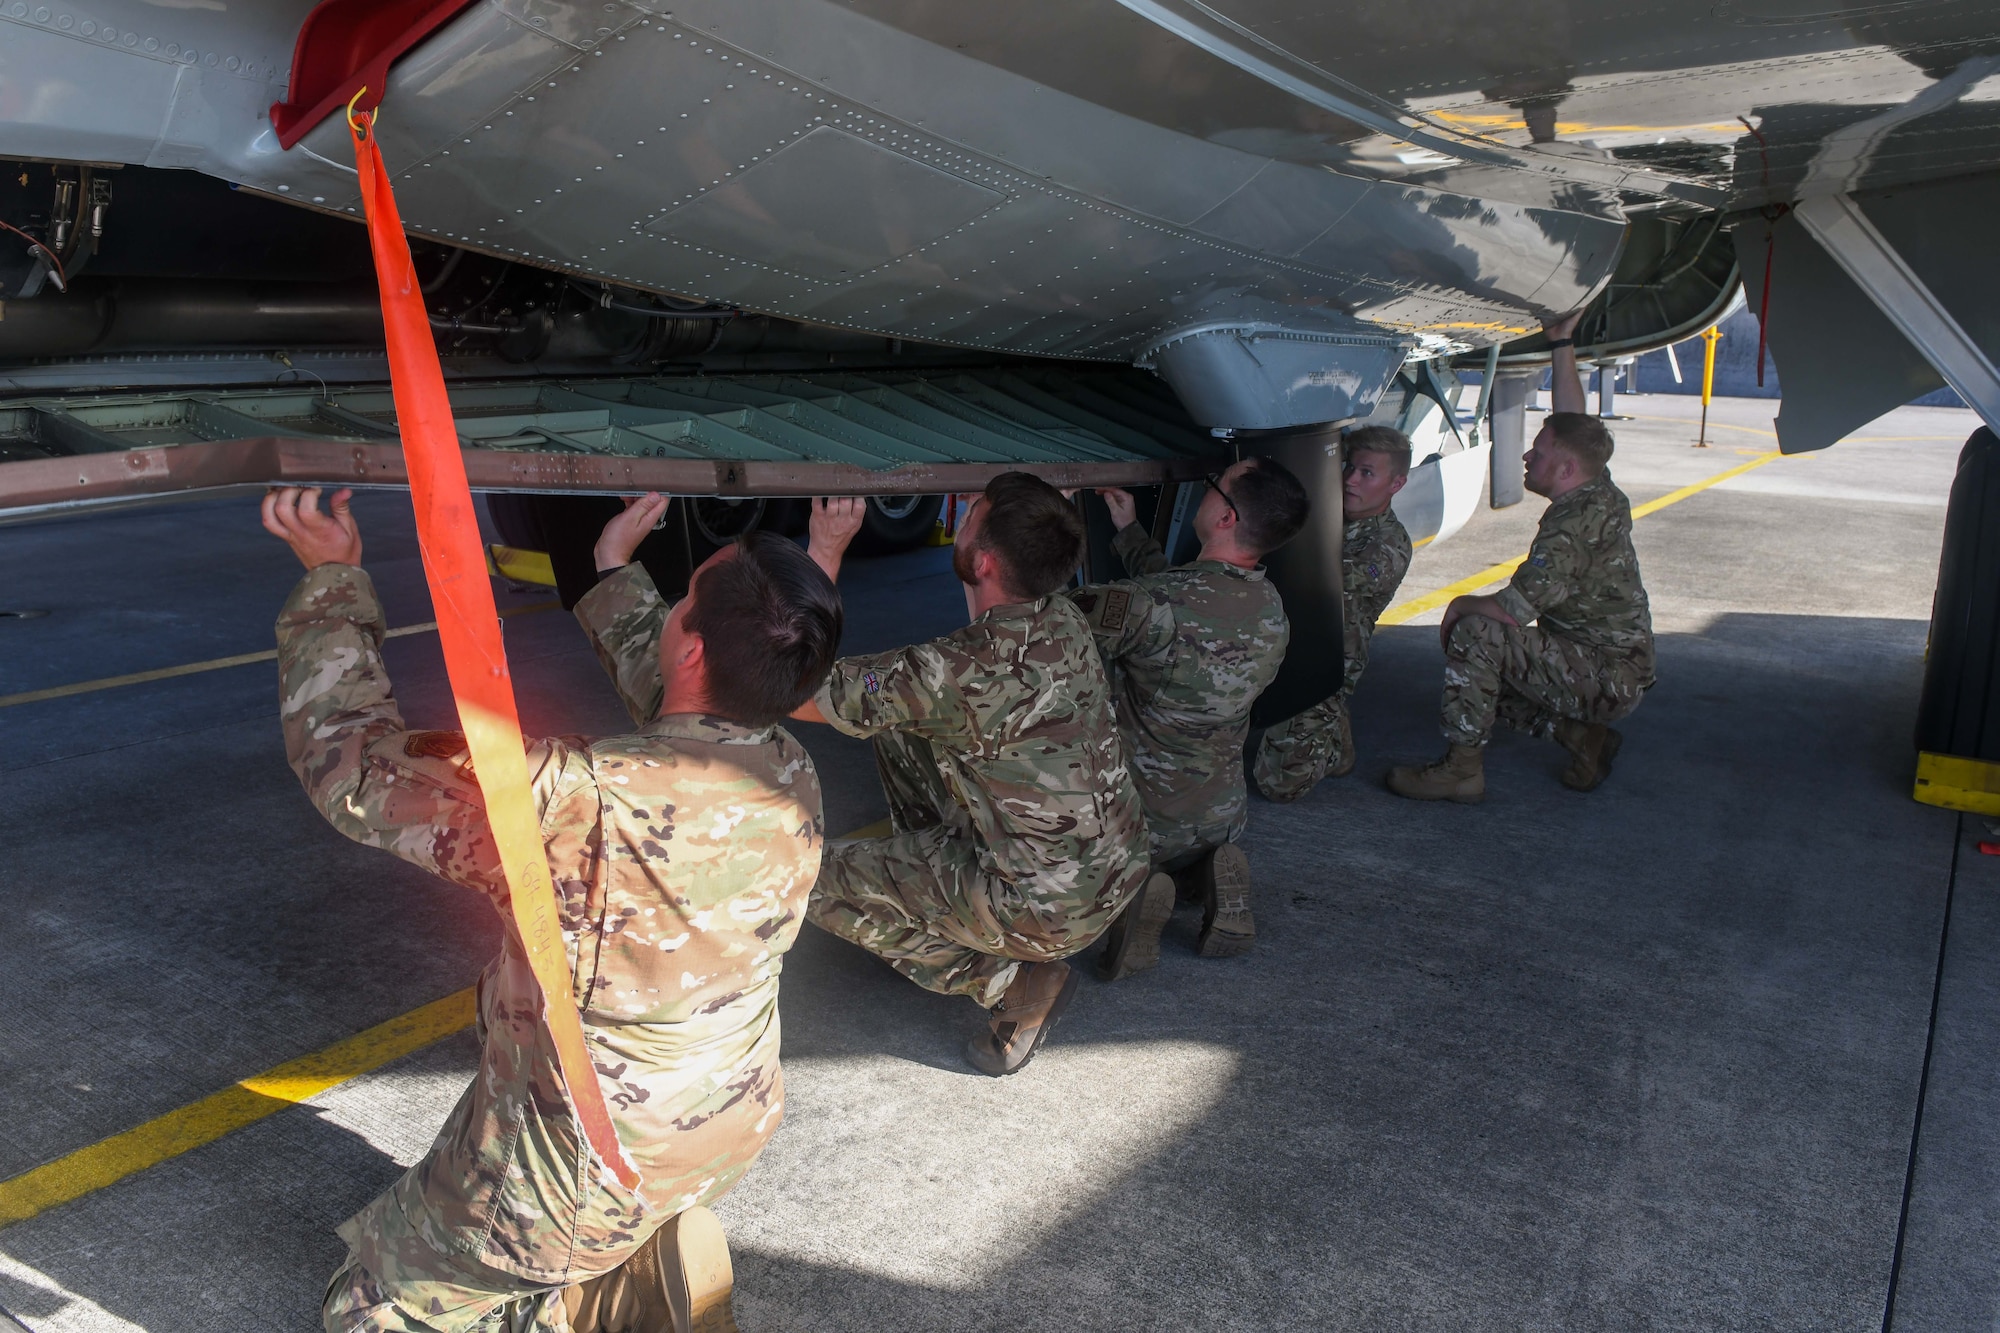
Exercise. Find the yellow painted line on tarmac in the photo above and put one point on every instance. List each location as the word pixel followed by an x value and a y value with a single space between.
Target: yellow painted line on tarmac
pixel 245 1102
pixel 1675 497
pixel 111 1160
pixel 1403 612
pixel 214 664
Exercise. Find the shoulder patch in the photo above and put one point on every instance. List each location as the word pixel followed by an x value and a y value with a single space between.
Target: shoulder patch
pixel 1538 560
pixel 1117 604
pixel 434 744
pixel 871 682
pixel 441 745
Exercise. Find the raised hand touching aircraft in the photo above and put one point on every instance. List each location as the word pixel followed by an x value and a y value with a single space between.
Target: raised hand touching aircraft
pixel 1565 383
pixel 293 513
pixel 620 539
pixel 835 520
pixel 1124 509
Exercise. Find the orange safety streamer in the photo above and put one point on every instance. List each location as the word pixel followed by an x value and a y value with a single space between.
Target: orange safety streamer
pixel 469 627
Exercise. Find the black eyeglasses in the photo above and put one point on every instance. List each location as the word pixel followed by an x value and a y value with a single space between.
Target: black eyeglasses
pixel 1214 480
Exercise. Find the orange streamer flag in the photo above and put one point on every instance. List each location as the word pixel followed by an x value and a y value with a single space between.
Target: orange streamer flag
pixel 469 627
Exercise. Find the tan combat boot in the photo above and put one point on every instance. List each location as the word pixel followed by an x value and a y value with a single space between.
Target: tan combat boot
pixel 1459 776
pixel 1024 1018
pixel 679 1281
pixel 1133 942
pixel 1346 744
pixel 1592 746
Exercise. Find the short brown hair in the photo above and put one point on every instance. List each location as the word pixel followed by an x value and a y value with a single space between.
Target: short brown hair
pixel 1271 504
pixel 1035 534
pixel 1583 437
pixel 1385 440
pixel 769 621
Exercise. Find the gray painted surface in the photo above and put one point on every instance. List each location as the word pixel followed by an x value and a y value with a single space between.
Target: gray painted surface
pixel 1640 1059
pixel 1954 1229
pixel 1087 179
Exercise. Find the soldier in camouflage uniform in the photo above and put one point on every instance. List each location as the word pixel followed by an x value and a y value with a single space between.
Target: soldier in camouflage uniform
pixel 1588 657
pixel 1018 833
pixel 1375 554
pixel 1189 650
pixel 683 852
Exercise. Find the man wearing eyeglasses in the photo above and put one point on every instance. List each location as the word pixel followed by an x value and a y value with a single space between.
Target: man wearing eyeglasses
pixel 1190 648
pixel 1374 555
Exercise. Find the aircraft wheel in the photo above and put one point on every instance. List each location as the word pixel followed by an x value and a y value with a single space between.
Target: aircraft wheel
pixel 897 523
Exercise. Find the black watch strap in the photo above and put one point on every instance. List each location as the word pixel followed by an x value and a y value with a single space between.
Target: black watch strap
pixel 1561 342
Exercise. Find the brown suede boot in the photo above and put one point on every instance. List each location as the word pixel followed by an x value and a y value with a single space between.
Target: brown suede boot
pixel 679 1281
pixel 1346 743
pixel 1023 1019
pixel 1459 776
pixel 1133 942
pixel 1592 746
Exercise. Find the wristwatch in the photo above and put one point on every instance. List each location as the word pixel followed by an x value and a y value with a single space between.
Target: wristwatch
pixel 1561 342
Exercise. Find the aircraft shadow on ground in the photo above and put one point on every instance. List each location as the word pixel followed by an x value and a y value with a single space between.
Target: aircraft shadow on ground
pixel 1638 1059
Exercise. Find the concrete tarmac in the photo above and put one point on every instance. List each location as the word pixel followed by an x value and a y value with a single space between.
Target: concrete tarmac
pixel 1648 1058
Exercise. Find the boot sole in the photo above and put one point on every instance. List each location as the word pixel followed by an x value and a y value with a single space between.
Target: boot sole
pixel 1135 947
pixel 1063 997
pixel 1227 927
pixel 697 1274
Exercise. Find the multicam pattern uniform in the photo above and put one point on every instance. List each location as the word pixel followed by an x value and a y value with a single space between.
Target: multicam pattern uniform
pixel 1296 753
pixel 1189 650
pixel 683 853
pixel 1019 835
pixel 1589 657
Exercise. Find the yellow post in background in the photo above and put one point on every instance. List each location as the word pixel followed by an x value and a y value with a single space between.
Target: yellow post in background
pixel 1712 337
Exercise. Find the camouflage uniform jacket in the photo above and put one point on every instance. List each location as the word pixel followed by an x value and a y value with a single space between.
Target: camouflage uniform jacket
pixel 1581 578
pixel 684 854
pixel 1190 648
pixel 1017 712
pixel 1374 555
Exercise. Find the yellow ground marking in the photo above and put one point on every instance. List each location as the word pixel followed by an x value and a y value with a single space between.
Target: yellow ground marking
pixel 111 1160
pixel 1403 612
pixel 245 1102
pixel 215 664
pixel 1491 121
pixel 1713 425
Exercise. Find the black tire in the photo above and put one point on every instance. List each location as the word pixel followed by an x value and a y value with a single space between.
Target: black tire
pixel 719 520
pixel 897 523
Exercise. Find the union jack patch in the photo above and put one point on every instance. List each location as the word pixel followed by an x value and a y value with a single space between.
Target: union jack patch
pixel 871 682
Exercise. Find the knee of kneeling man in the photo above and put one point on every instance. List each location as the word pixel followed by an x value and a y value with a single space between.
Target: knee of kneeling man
pixel 1474 635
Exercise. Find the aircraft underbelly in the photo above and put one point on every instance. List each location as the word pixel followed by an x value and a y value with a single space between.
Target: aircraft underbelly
pixel 803 160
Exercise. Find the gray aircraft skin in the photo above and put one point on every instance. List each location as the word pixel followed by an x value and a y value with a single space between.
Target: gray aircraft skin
pixel 1274 204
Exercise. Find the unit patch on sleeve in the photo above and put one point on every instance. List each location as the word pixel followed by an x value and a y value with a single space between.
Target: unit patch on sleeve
pixel 1117 603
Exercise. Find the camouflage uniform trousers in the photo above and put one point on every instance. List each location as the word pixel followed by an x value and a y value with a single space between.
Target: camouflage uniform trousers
pixel 920 899
pixel 1176 844
pixel 393 1270
pixel 1296 753
pixel 1527 679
